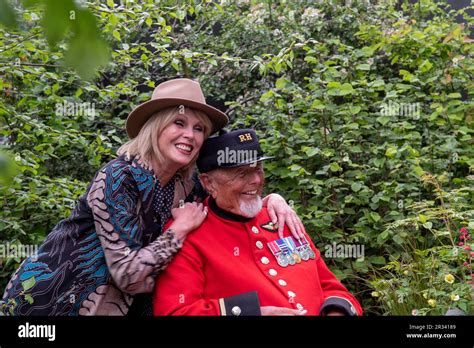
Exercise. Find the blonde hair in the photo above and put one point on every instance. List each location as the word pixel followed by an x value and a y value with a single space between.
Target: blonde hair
pixel 145 144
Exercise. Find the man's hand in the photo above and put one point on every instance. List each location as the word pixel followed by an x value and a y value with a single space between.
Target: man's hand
pixel 272 310
pixel 282 214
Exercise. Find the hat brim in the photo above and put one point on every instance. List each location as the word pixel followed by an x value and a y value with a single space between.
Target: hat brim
pixel 137 118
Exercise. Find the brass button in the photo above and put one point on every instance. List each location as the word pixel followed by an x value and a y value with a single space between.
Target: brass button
pixel 272 272
pixel 282 282
pixel 254 229
pixel 291 294
pixel 259 245
pixel 265 260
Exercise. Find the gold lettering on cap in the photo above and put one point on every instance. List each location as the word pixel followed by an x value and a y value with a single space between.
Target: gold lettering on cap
pixel 245 137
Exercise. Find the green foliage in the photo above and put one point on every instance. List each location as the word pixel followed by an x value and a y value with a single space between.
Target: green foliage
pixel 358 104
pixel 65 20
pixel 434 271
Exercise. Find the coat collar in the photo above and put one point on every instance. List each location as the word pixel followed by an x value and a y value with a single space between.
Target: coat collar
pixel 227 215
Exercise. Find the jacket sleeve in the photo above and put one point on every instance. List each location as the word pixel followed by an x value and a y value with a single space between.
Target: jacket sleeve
pixel 114 200
pixel 179 290
pixel 336 296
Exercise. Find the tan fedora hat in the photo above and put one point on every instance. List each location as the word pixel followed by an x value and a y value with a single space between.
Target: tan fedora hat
pixel 173 93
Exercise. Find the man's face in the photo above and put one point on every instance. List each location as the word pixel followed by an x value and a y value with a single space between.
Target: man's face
pixel 237 190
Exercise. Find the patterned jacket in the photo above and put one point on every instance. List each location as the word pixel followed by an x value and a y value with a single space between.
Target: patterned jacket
pixel 110 248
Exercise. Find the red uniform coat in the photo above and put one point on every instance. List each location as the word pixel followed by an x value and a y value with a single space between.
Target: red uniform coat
pixel 225 260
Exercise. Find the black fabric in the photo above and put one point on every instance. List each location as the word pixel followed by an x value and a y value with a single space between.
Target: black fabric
pixel 247 302
pixel 337 303
pixel 226 214
pixel 198 193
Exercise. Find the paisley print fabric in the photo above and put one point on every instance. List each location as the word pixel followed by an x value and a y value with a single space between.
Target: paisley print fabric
pixel 110 248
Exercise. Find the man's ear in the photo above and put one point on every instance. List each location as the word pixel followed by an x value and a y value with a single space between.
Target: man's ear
pixel 207 182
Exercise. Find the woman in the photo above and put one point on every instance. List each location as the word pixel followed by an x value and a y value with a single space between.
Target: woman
pixel 112 246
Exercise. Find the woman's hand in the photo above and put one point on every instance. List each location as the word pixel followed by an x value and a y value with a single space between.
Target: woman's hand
pixel 187 218
pixel 282 214
pixel 272 310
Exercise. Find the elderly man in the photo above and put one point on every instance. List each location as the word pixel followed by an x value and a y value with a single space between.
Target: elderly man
pixel 235 263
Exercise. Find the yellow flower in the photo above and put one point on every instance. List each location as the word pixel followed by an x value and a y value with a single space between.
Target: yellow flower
pixel 454 297
pixel 449 278
pixel 425 295
pixel 432 302
pixel 375 294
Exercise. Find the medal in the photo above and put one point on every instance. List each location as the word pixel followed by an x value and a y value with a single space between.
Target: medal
pixel 289 251
pixel 302 250
pixel 290 258
pixel 276 251
pixel 282 260
pixel 310 251
pixel 293 250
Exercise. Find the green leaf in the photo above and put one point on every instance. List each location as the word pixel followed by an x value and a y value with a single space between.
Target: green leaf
pixel 356 187
pixel 29 283
pixel 374 216
pixel 281 83
pixel 377 260
pixel 383 120
pixel 317 104
pixel 312 151
pixel 57 19
pixel 397 239
pixel 418 170
pixel 366 51
pixel 149 21
pixel 364 67
pixel 346 88
pixel 391 152
pixel 382 237
pixel 428 225
pixel 334 167
pixel 175 64
pixel 116 35
pixel 354 109
pixel 378 83
pixel 454 95
pixel 425 66
pixel 379 162
pixel 87 51
pixel 7 15
pixel 422 218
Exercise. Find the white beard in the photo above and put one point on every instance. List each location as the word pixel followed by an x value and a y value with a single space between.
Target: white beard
pixel 252 208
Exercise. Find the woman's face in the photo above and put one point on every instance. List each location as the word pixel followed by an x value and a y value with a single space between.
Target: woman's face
pixel 180 142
